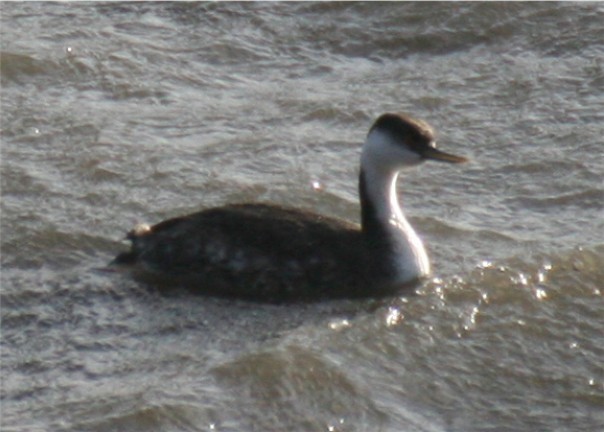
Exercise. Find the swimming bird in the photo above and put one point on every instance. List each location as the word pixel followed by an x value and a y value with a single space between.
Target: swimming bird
pixel 272 253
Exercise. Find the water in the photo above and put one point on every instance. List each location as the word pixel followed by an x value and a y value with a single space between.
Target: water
pixel 114 114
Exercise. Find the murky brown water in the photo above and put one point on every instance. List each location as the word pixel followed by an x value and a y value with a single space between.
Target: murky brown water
pixel 113 114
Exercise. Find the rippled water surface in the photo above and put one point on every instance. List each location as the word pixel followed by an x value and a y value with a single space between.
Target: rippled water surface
pixel 118 113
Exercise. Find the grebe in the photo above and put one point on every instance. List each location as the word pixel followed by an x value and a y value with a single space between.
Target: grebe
pixel 271 253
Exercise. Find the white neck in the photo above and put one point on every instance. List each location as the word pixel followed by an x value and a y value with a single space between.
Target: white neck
pixel 381 173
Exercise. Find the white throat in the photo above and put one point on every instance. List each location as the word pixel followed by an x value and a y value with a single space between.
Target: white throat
pixel 381 163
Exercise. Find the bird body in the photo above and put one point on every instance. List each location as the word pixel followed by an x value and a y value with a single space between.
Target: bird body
pixel 272 253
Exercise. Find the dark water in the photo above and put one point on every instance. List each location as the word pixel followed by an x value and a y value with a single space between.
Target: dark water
pixel 118 113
